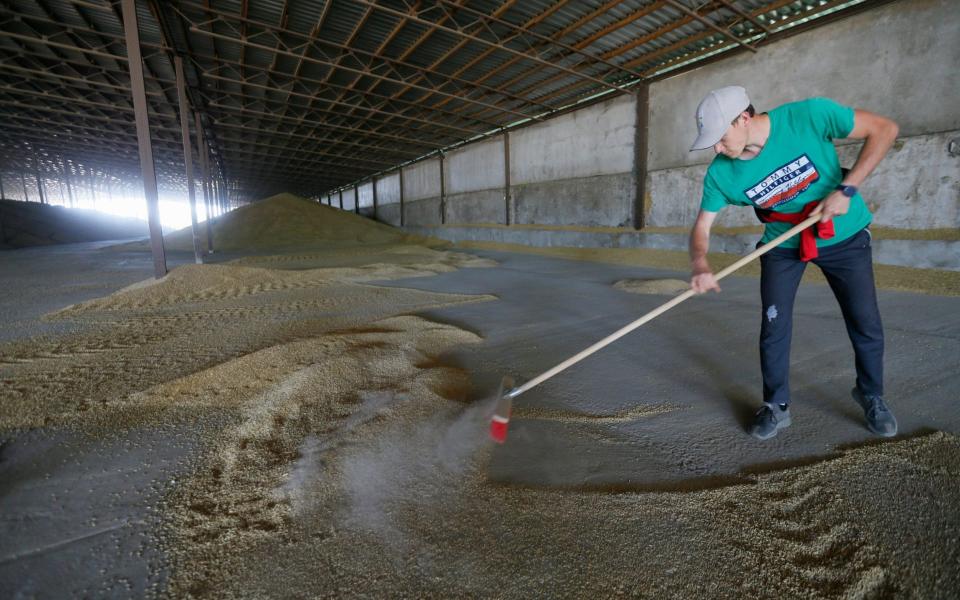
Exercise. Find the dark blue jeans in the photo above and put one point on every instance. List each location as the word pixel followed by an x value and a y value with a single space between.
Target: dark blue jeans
pixel 848 268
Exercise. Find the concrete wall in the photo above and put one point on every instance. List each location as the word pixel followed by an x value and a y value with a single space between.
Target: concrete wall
pixel 900 60
pixel 388 199
pixel 348 199
pixel 474 181
pixel 366 199
pixel 421 193
pixel 917 186
pixel 575 169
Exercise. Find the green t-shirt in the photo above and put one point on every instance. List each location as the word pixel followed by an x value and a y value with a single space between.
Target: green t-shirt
pixel 798 164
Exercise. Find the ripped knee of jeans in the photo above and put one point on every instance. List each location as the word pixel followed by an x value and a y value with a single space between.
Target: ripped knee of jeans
pixel 771 313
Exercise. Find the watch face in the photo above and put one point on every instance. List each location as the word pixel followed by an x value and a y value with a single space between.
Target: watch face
pixel 847 190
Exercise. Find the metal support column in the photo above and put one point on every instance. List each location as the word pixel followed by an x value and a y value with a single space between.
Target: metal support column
pixel 443 194
pixel 215 194
pixel 640 138
pixel 202 153
pixel 135 61
pixel 373 185
pixel 356 199
pixel 63 201
pixel 341 199
pixel 213 187
pixel 218 189
pixel 36 173
pixel 3 230
pixel 66 176
pixel 506 176
pixel 93 190
pixel 220 203
pixel 188 157
pixel 211 182
pixel 402 219
pixel 23 186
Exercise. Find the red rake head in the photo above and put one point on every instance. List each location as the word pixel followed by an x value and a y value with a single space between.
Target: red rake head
pixel 501 415
pixel 498 428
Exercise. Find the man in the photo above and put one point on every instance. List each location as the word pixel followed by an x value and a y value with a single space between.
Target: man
pixel 783 164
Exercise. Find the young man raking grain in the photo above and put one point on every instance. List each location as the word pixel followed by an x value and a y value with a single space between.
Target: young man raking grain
pixel 783 164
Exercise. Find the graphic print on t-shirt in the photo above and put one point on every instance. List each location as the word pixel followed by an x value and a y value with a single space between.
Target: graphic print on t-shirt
pixel 784 184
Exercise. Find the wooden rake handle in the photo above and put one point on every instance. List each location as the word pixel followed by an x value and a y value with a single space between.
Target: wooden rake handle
pixel 616 335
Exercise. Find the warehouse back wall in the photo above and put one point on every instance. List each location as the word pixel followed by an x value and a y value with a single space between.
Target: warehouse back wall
pixel 898 60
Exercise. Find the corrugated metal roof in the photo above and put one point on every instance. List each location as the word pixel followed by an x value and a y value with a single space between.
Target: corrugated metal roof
pixel 309 95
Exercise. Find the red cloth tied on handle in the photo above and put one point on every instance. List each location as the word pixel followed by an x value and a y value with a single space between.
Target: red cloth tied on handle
pixel 808 237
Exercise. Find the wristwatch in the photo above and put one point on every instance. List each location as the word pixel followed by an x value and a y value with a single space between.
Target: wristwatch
pixel 847 190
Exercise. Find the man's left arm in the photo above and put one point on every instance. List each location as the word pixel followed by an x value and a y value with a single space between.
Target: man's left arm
pixel 879 133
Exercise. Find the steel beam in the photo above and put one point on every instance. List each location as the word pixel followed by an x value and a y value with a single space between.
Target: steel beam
pixel 543 38
pixel 309 41
pixel 443 194
pixel 746 15
pixel 507 199
pixel 308 83
pixel 188 157
pixel 473 38
pixel 36 173
pixel 322 124
pixel 370 74
pixel 66 176
pixel 640 145
pixel 352 105
pixel 721 30
pixel 132 32
pixel 23 186
pixel 202 153
pixel 402 217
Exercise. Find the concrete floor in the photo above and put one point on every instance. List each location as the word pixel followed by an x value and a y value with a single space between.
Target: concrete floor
pixel 700 357
pixel 76 511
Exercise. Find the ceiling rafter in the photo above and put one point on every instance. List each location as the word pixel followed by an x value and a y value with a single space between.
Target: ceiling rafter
pixel 421 39
pixel 322 94
pixel 562 34
pixel 498 46
pixel 355 54
pixel 357 77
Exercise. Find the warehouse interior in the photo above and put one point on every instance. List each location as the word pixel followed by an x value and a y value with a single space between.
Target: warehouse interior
pixel 266 264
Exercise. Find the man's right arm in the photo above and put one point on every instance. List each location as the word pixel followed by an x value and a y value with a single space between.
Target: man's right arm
pixel 702 279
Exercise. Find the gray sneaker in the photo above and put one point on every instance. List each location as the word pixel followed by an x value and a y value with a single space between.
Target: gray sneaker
pixel 768 420
pixel 879 418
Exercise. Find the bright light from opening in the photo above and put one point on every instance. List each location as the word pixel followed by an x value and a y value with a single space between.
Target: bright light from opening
pixel 174 210
pixel 174 207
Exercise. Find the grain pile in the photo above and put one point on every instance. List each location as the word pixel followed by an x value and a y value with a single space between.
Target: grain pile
pixel 340 457
pixel 27 224
pixel 286 221
pixel 397 513
pixel 652 286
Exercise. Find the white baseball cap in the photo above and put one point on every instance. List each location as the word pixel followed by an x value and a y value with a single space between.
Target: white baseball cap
pixel 716 112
